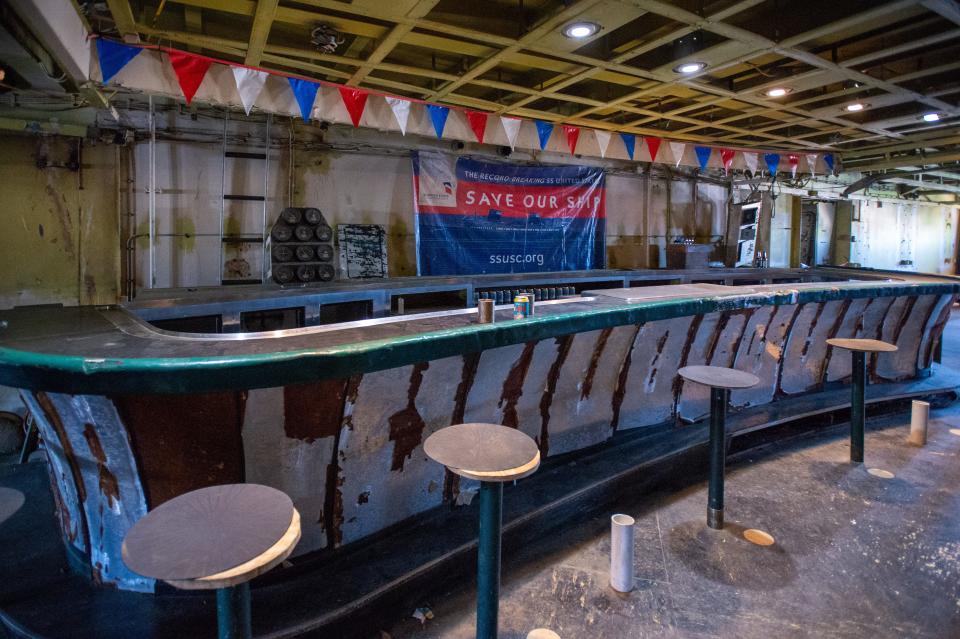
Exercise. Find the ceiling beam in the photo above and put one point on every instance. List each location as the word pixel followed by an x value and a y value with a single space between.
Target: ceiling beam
pixel 391 40
pixel 123 19
pixel 946 8
pixel 262 22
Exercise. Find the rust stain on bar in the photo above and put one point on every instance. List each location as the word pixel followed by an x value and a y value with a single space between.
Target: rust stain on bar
pixel 684 355
pixel 53 418
pixel 513 386
pixel 563 349
pixel 936 331
pixel 813 327
pixel 598 347
pixel 331 517
pixel 620 391
pixel 837 325
pixel 653 363
pixel 184 442
pixel 471 362
pixel 313 411
pixel 778 391
pixel 109 486
pixel 406 426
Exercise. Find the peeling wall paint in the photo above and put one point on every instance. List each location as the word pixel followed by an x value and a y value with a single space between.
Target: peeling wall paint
pixel 350 454
pixel 61 240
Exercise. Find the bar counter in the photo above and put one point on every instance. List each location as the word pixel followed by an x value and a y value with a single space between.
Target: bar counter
pixel 335 415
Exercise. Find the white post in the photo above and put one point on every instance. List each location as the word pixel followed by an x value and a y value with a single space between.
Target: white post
pixel 621 552
pixel 919 416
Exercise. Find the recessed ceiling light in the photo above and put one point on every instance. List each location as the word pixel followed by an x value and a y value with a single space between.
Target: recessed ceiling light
pixel 777 92
pixel 856 106
pixel 580 30
pixel 931 117
pixel 690 67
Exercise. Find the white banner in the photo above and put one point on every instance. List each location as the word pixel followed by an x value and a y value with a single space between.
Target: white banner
pixel 249 85
pixel 603 141
pixel 511 126
pixel 677 148
pixel 401 111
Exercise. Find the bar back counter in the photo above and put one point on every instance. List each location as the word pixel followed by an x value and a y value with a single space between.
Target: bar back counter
pixel 141 403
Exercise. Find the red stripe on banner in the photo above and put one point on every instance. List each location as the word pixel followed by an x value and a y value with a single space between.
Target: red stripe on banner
pixel 476 198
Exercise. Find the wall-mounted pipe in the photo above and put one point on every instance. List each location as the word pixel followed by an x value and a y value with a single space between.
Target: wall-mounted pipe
pixel 621 552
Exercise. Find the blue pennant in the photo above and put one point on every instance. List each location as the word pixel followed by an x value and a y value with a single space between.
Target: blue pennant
pixel 773 161
pixel 544 129
pixel 438 115
pixel 703 155
pixel 305 92
pixel 113 57
pixel 629 142
pixel 828 160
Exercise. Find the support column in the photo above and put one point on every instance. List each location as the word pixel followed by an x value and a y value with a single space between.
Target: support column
pixel 718 416
pixel 233 612
pixel 857 409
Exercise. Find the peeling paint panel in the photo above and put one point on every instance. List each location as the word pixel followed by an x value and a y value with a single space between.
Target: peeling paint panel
pixel 693 401
pixel 862 319
pixel 906 334
pixel 649 397
pixel 761 352
pixel 295 466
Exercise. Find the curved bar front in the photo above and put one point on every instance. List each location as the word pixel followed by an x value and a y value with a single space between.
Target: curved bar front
pixel 335 416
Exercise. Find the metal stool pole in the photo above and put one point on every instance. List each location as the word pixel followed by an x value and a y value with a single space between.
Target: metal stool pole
pixel 488 559
pixel 859 348
pixel 857 412
pixel 233 612
pixel 718 435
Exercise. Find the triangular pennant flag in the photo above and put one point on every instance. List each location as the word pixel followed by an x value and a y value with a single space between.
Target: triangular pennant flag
pixel 794 161
pixel 401 111
pixel 653 144
pixel 773 161
pixel 478 123
pixel 544 129
pixel 828 160
pixel 677 148
pixel 438 115
pixel 573 134
pixel 751 160
pixel 511 126
pixel 305 92
pixel 812 162
pixel 603 141
pixel 249 85
pixel 190 70
pixel 703 155
pixel 629 143
pixel 355 100
pixel 114 56
pixel 726 157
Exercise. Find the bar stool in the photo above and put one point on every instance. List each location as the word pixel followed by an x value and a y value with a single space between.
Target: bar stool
pixel 859 348
pixel 491 454
pixel 216 538
pixel 720 380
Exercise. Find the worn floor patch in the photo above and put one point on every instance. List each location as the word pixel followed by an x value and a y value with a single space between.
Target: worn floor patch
pixel 852 556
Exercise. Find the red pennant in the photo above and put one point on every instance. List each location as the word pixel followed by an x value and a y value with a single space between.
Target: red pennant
pixel 726 156
pixel 190 70
pixel 478 123
pixel 654 145
pixel 572 133
pixel 355 100
pixel 794 161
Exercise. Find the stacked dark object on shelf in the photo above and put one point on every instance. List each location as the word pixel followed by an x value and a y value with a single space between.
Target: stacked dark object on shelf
pixel 301 248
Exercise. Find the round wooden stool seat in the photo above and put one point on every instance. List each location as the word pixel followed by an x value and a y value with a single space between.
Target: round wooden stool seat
pixel 214 537
pixel 486 452
pixel 718 376
pixel 862 345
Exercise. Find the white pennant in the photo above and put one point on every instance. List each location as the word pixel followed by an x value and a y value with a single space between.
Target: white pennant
pixel 249 85
pixel 603 141
pixel 401 111
pixel 812 162
pixel 751 159
pixel 677 149
pixel 511 126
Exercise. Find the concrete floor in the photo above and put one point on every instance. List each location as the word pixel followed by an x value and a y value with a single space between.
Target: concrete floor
pixel 855 555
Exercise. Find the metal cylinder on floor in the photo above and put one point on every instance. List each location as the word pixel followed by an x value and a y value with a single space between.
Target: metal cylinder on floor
pixel 919 417
pixel 621 552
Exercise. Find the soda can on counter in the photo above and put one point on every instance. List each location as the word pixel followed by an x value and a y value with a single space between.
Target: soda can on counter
pixel 531 302
pixel 521 307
